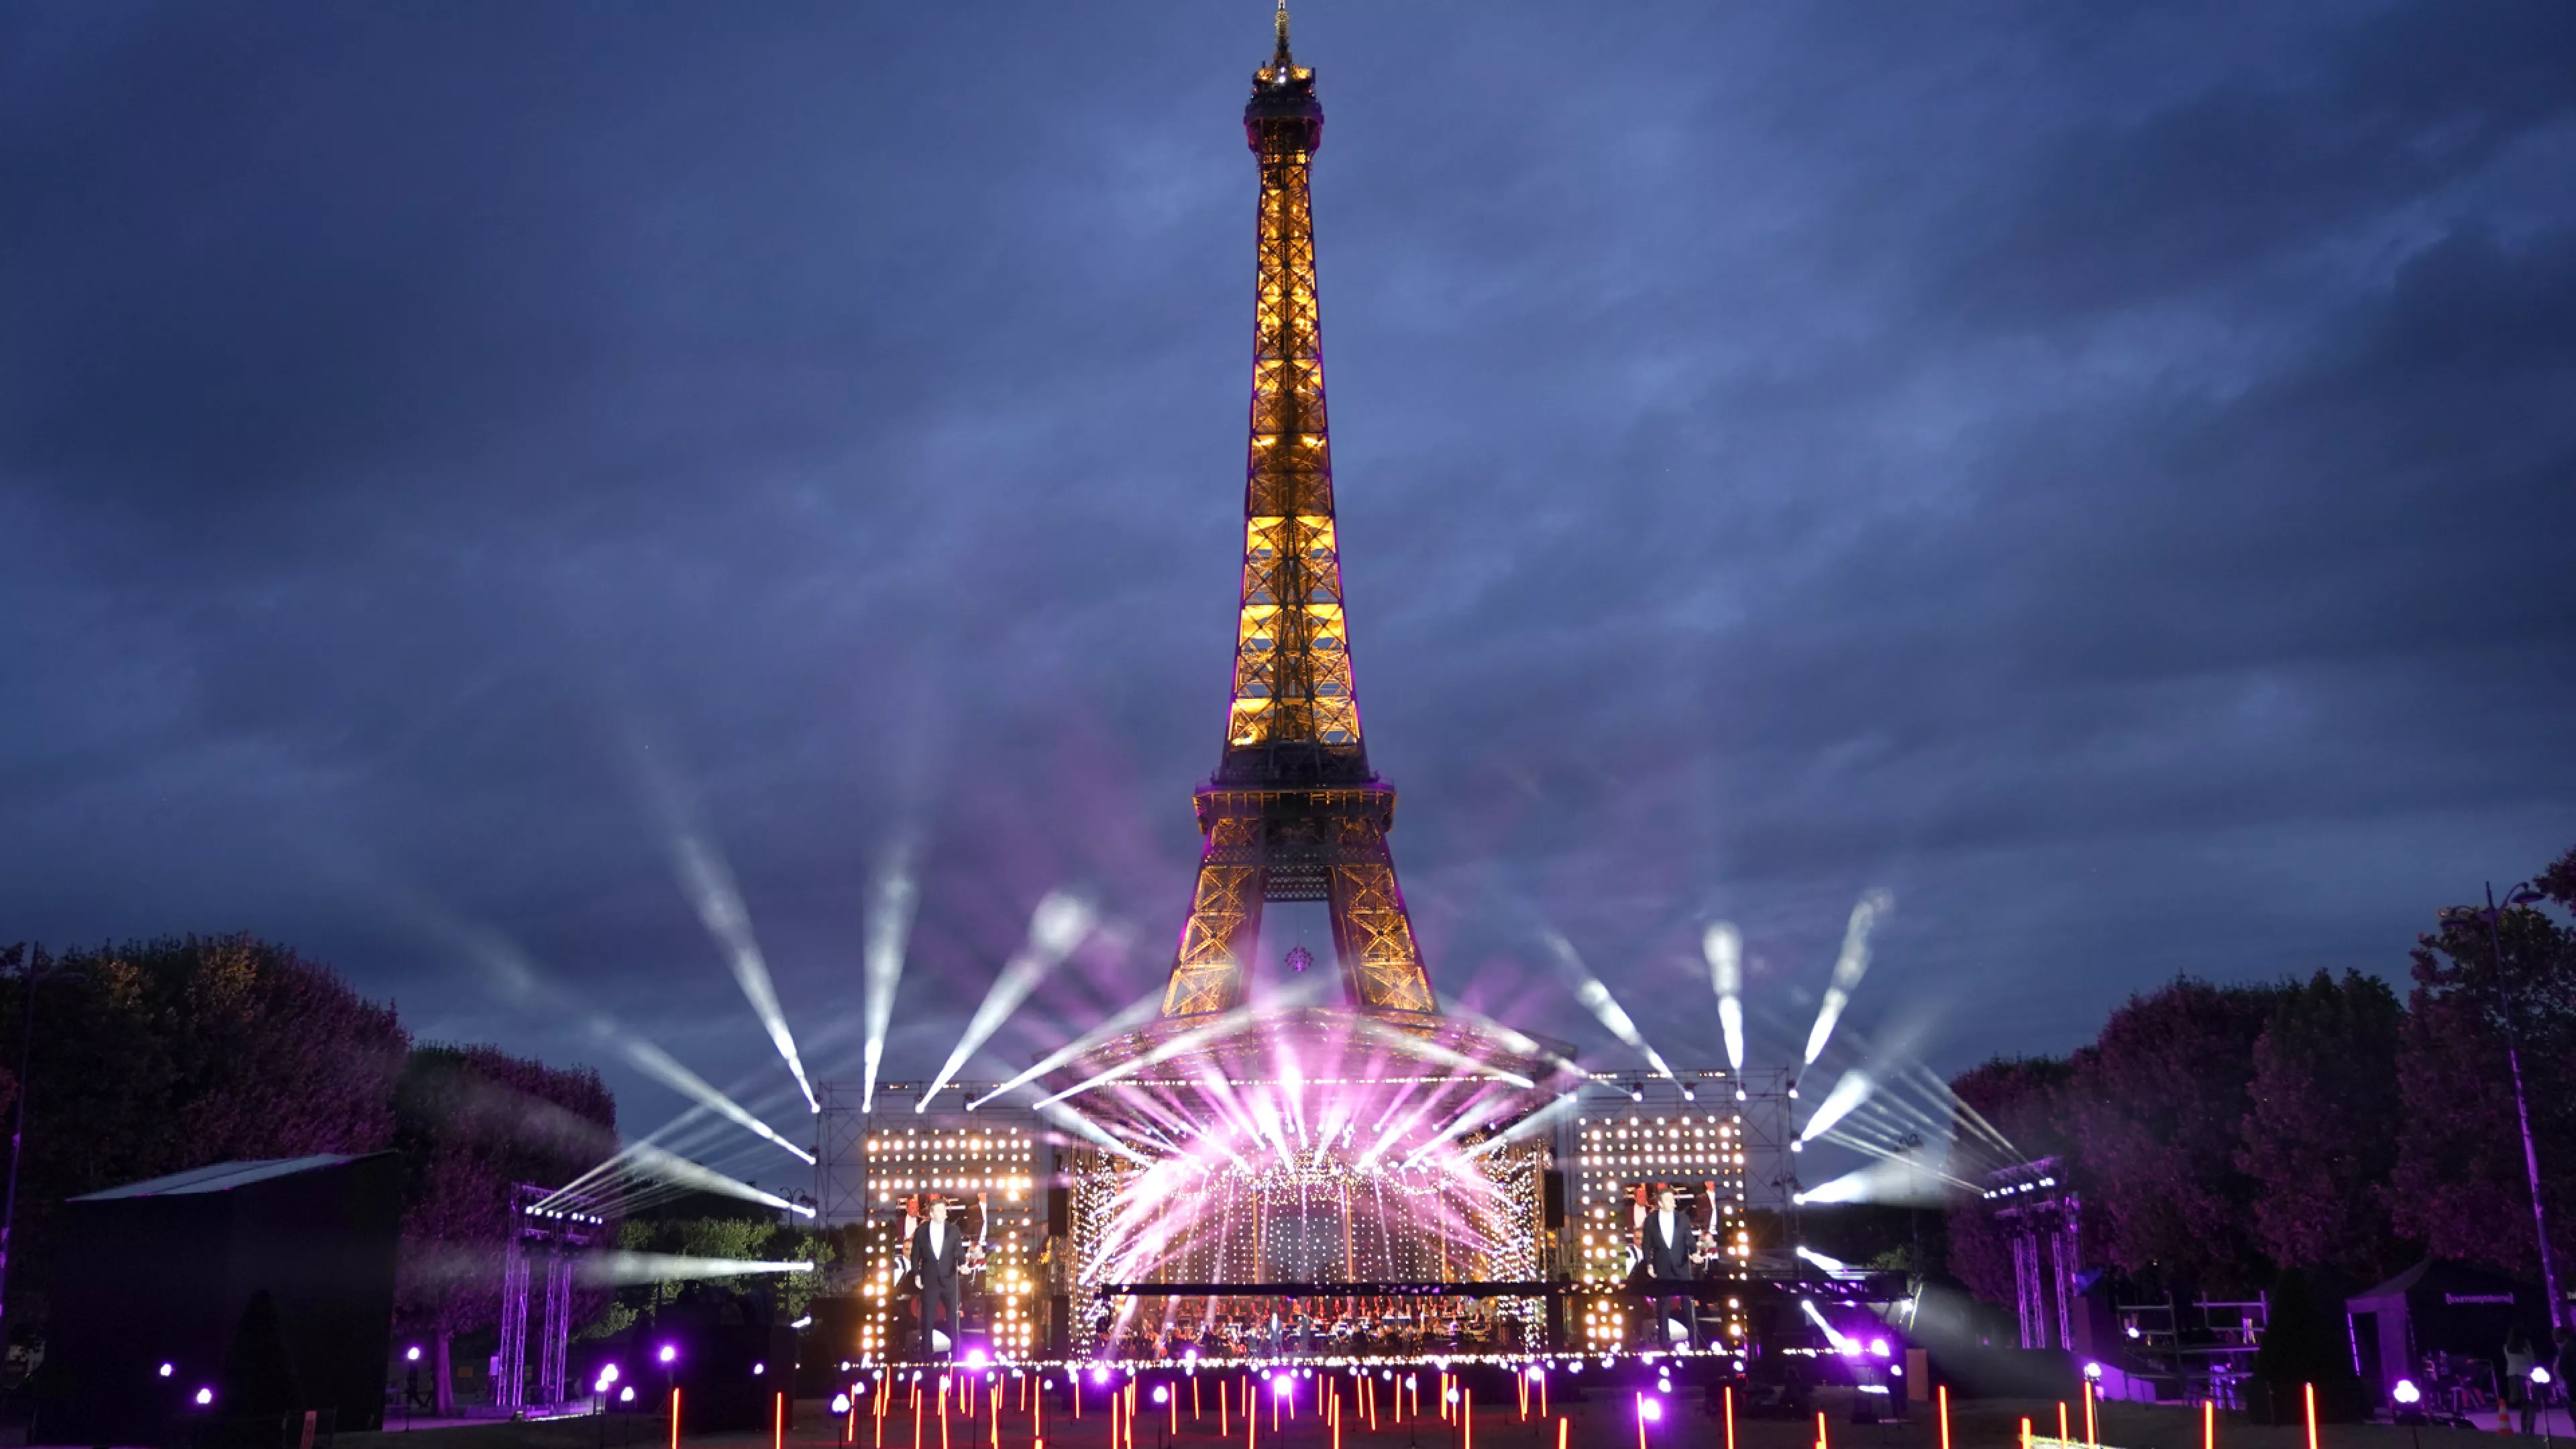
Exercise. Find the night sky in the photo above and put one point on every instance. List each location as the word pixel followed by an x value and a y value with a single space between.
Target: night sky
pixel 2101 474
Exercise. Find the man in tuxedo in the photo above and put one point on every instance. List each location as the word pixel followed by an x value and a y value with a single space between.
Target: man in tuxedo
pixel 1664 1242
pixel 938 1251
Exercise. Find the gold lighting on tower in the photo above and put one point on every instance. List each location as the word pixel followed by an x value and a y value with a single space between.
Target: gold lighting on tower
pixel 1293 812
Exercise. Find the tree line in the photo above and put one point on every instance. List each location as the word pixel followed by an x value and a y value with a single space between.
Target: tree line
pixel 152 1057
pixel 2223 1136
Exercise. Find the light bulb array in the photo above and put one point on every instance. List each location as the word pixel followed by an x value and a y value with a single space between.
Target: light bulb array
pixel 1617 1148
pixel 997 1161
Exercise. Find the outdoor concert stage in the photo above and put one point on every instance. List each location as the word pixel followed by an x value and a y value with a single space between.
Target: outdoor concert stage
pixel 1261 1175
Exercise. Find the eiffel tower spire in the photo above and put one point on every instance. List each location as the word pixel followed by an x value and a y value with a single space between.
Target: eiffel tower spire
pixel 1293 812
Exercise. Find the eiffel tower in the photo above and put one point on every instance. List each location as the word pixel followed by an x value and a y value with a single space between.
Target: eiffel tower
pixel 1293 812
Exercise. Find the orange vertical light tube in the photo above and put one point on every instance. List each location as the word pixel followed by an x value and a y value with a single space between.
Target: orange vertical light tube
pixel 2088 1412
pixel 2062 1435
pixel 2025 1433
pixel 1821 1441
pixel 1641 1421
pixel 1194 1399
pixel 1727 1394
pixel 1224 1409
pixel 778 1421
pixel 1561 1426
pixel 1467 1418
pixel 1175 1401
pixel 997 1418
pixel 1942 1396
pixel 2309 1392
pixel 2209 1424
pixel 917 1417
pixel 675 1416
pixel 1542 1393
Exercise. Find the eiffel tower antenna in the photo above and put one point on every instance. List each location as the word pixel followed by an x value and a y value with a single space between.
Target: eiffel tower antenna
pixel 1293 812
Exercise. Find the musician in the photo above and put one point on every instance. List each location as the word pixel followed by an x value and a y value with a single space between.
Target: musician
pixel 1666 1238
pixel 938 1254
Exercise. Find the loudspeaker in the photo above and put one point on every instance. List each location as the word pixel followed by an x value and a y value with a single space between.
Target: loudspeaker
pixel 1060 1211
pixel 1553 1191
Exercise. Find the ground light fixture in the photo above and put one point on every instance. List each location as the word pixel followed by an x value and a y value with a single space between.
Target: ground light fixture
pixel 168 1369
pixel 205 1397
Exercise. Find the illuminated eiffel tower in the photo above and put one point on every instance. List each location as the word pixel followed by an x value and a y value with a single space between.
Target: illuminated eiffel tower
pixel 1293 812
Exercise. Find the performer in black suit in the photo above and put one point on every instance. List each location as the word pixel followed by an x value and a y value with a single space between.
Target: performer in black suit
pixel 938 1251
pixel 1665 1241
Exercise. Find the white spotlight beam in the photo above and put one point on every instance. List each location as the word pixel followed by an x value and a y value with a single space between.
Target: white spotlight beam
pixel 664 1068
pixel 1849 967
pixel 1055 928
pixel 1597 999
pixel 1830 1265
pixel 1379 1034
pixel 619 1268
pixel 1184 1042
pixel 1840 1343
pixel 1724 947
pixel 1847 1094
pixel 709 884
pixel 1064 1116
pixel 1528 1126
pixel 673 1168
pixel 518 977
pixel 1138 1012
pixel 891 901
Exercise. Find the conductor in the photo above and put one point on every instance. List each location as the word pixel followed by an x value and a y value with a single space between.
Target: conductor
pixel 938 1250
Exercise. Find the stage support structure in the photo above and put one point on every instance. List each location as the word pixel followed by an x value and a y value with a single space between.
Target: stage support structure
pixel 542 1240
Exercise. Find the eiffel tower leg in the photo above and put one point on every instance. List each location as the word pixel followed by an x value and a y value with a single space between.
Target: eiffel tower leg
pixel 1372 933
pixel 1225 921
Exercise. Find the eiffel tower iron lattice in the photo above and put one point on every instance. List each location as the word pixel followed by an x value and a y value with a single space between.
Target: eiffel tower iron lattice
pixel 1293 812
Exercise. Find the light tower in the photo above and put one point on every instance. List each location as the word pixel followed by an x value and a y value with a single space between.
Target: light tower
pixel 1293 812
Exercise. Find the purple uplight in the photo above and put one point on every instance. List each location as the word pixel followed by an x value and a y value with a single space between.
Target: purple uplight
pixel 976 1358
pixel 1100 1374
pixel 668 1353
pixel 1878 1347
pixel 205 1397
pixel 1651 1410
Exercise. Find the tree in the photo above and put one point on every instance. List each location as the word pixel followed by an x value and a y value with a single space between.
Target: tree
pixel 672 1241
pixel 2022 1100
pixel 2460 1185
pixel 2160 1103
pixel 158 1056
pixel 2321 1138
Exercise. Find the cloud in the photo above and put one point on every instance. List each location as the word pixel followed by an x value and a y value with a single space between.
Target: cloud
pixel 2092 477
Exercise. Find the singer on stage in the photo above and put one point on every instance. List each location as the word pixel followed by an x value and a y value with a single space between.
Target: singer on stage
pixel 1665 1242
pixel 938 1255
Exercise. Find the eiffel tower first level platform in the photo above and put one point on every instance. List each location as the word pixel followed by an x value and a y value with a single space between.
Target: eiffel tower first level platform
pixel 1293 813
